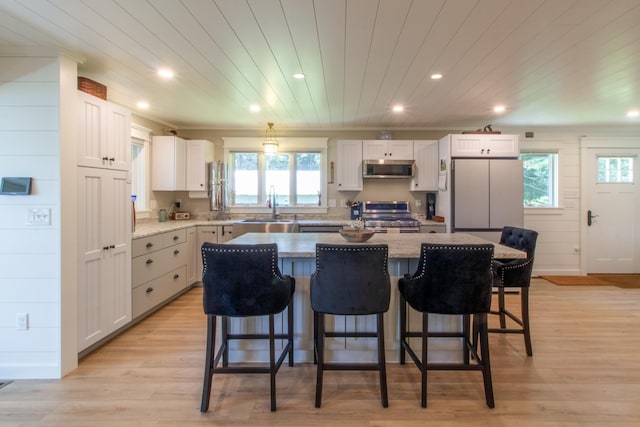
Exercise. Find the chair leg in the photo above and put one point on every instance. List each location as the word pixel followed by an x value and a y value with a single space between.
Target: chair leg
pixel 423 364
pixel 272 362
pixel 466 338
pixel 501 308
pixel 290 331
pixel 382 366
pixel 481 319
pixel 524 302
pixel 208 367
pixel 403 328
pixel 320 353
pixel 315 338
pixel 225 340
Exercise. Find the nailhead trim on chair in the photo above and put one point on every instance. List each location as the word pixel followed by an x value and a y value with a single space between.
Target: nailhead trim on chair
pixel 512 267
pixel 353 249
pixel 274 258
pixel 457 247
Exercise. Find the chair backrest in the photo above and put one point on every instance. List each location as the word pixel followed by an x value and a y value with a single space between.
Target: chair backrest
pixel 451 279
pixel 351 279
pixel 520 238
pixel 243 280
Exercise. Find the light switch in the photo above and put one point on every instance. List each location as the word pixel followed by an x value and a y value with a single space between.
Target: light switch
pixel 332 203
pixel 39 216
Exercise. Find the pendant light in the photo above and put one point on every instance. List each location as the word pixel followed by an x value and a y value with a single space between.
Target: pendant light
pixel 270 143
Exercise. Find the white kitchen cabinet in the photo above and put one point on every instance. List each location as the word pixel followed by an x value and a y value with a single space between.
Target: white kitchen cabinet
pixel 104 137
pixel 425 154
pixel 484 145
pixel 387 149
pixel 104 243
pixel 199 153
pixel 349 160
pixel 193 260
pixel 159 270
pixel 168 163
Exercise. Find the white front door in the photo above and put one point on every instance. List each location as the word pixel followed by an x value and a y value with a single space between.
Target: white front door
pixel 612 214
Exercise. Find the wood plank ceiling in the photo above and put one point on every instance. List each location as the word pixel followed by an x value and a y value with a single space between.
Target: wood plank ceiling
pixel 549 62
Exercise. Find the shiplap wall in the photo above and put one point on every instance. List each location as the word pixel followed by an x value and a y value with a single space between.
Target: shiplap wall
pixel 30 272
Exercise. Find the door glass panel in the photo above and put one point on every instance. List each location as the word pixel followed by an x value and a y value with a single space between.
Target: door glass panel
pixel 614 169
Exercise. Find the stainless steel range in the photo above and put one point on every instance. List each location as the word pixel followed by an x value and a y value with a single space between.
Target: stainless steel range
pixel 387 217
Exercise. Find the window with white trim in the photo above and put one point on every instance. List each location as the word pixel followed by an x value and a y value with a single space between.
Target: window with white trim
pixel 294 177
pixel 540 179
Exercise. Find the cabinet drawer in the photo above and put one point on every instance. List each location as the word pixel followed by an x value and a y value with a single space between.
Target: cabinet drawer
pixel 148 295
pixel 150 266
pixel 147 245
pixel 175 237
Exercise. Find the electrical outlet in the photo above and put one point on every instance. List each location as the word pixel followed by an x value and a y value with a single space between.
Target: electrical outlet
pixel 22 321
pixel 418 203
pixel 178 203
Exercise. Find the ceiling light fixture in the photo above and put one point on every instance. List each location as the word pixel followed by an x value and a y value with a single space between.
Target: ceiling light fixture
pixel 398 108
pixel 270 143
pixel 499 109
pixel 165 73
pixel 298 76
pixel 254 108
pixel 143 105
pixel 633 113
pixel 436 76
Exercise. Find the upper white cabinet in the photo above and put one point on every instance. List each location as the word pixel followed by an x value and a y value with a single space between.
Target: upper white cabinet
pixel 178 164
pixel 199 152
pixel 168 163
pixel 349 174
pixel 425 154
pixel 104 139
pixel 484 145
pixel 387 149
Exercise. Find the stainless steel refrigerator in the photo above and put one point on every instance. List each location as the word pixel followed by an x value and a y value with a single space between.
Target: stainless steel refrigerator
pixel 218 191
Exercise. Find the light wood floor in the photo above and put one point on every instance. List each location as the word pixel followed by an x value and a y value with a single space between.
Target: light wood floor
pixel 585 371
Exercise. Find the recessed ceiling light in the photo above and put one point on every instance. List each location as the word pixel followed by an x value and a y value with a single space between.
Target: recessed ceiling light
pixel 143 105
pixel 499 108
pixel 436 76
pixel 254 108
pixel 398 108
pixel 298 76
pixel 165 73
pixel 633 113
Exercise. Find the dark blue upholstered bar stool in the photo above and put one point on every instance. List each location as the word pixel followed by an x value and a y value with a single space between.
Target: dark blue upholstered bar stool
pixel 451 280
pixel 243 281
pixel 515 273
pixel 350 280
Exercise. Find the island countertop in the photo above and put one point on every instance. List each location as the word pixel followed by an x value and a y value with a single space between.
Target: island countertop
pixel 401 245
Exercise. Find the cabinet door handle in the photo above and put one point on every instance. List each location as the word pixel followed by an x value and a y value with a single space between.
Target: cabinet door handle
pixel 176 252
pixel 112 246
pixel 149 245
pixel 105 248
pixel 149 261
pixel 176 276
pixel 104 159
pixel 112 159
pixel 149 290
pixel 176 238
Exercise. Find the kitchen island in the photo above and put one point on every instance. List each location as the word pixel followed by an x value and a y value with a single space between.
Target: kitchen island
pixel 296 252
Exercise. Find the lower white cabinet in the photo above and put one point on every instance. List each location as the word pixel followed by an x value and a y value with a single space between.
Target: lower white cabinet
pixel 159 269
pixel 104 246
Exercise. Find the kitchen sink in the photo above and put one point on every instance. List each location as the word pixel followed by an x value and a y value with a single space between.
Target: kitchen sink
pixel 264 226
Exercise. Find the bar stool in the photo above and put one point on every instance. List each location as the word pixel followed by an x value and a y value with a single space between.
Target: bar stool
pixel 350 280
pixel 243 281
pixel 515 273
pixel 452 280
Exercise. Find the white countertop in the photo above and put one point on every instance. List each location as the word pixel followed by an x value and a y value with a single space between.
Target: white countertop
pixel 401 245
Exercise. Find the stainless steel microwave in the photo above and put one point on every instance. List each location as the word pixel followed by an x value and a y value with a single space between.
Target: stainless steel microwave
pixel 388 168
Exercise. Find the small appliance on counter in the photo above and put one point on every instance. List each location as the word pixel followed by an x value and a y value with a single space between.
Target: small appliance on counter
pixel 431 205
pixel 356 210
pixel 180 215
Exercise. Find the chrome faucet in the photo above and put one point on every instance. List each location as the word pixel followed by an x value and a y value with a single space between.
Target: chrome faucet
pixel 272 200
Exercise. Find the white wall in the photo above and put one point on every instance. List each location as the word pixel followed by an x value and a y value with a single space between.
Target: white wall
pixel 30 256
